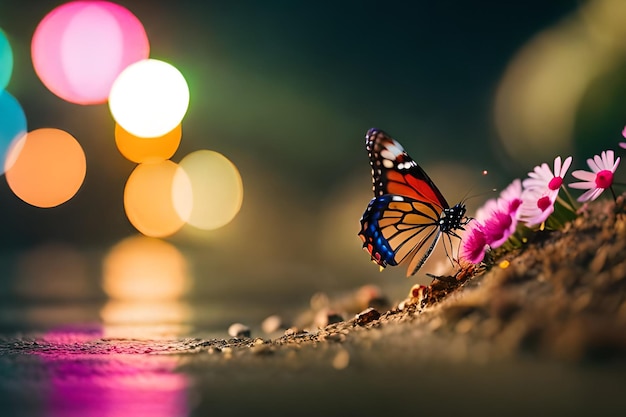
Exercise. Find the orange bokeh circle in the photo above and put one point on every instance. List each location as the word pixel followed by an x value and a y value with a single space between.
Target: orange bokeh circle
pixel 148 199
pixel 145 268
pixel 140 150
pixel 45 167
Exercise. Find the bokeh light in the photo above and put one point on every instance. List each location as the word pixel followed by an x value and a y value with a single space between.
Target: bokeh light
pixel 145 319
pixel 113 385
pixel 148 199
pixel 6 61
pixel 216 187
pixel 538 96
pixel 140 150
pixel 144 268
pixel 538 101
pixel 46 167
pixel 145 279
pixel 149 98
pixel 80 48
pixel 12 123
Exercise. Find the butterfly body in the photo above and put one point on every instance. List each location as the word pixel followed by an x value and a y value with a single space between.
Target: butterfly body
pixel 408 215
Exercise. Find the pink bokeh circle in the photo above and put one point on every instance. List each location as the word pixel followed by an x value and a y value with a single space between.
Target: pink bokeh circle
pixel 80 48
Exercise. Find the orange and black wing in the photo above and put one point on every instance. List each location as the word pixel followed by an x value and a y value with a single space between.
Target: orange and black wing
pixel 395 172
pixel 397 229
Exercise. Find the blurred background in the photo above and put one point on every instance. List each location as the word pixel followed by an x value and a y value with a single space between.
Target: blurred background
pixel 286 91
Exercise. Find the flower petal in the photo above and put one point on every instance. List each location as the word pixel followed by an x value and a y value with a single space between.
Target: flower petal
pixel 616 164
pixel 584 175
pixel 530 183
pixel 486 210
pixel 565 167
pixel 586 185
pixel 610 158
pixel 590 195
pixel 557 166
pixel 544 171
pixel 600 161
pixel 473 244
pixel 597 193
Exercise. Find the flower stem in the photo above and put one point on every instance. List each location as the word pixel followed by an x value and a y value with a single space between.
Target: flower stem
pixel 570 199
pixel 613 192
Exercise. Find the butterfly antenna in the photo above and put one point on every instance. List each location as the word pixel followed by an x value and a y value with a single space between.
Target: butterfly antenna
pixel 467 196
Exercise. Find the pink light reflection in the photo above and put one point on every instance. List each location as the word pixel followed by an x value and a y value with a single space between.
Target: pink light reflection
pixel 90 376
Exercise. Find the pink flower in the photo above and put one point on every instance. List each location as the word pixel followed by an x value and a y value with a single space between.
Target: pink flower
pixel 485 211
pixel 474 243
pixel 495 222
pixel 537 206
pixel 511 198
pixel 622 145
pixel 543 178
pixel 498 228
pixel 600 178
pixel 501 222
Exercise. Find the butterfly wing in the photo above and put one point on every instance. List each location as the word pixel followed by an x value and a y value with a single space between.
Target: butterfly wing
pixel 395 172
pixel 397 229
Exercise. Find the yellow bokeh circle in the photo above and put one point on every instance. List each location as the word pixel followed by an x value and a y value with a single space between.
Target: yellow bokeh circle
pixel 216 188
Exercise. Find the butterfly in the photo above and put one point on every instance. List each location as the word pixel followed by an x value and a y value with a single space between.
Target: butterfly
pixel 408 215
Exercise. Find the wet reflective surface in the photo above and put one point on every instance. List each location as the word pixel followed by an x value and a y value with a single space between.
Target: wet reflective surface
pixel 105 332
pixel 76 371
pixel 141 329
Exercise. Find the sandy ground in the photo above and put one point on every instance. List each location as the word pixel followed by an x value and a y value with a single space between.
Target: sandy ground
pixel 542 331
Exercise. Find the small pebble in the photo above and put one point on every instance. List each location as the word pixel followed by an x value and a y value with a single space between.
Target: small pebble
pixel 325 317
pixel 367 316
pixel 239 330
pixel 293 331
pixel 272 324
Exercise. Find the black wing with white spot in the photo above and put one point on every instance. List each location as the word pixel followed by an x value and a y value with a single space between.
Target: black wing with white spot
pixel 395 172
